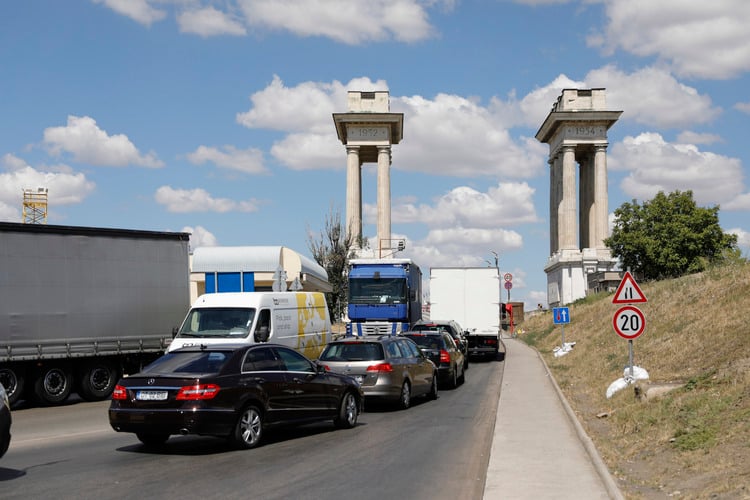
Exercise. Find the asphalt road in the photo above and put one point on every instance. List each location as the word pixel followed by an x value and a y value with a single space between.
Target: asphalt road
pixel 436 450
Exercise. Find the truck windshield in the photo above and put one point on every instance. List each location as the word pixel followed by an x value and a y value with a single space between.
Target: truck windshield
pixel 377 291
pixel 218 322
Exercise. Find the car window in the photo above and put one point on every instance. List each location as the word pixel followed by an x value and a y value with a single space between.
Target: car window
pixel 294 361
pixel 261 360
pixel 409 348
pixel 427 341
pixel 352 351
pixel 393 350
pixel 189 362
pixel 449 341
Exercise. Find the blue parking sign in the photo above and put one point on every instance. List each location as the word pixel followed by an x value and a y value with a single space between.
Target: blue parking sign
pixel 560 315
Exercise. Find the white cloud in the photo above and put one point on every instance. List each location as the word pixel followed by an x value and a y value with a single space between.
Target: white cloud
pixel 310 151
pixel 651 96
pixel 461 246
pixel 698 39
pixel 689 137
pixel 306 107
pixel 656 165
pixel 64 186
pixel 534 107
pixel 200 237
pixel 209 21
pixel 9 213
pixel 465 224
pixel 506 204
pixel 138 10
pixel 347 21
pixel 351 22
pixel 648 96
pixel 743 237
pixel 83 138
pixel 741 202
pixel 199 200
pixel 249 161
pixel 438 131
pixel 743 106
pixel 541 2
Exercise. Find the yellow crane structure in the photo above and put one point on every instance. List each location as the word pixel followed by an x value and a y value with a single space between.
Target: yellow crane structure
pixel 35 206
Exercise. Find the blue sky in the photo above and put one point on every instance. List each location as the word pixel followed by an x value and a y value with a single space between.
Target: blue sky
pixel 214 117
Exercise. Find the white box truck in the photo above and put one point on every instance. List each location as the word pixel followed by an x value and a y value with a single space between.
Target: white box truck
pixel 471 297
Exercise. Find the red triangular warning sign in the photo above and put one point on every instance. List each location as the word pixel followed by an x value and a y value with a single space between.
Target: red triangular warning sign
pixel 628 292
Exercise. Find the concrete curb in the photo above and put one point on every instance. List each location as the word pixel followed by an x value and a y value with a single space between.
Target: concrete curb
pixel 601 468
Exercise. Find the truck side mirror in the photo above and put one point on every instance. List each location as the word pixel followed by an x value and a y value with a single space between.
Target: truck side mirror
pixel 174 331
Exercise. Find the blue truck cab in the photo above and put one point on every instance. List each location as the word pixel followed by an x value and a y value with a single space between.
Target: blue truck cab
pixel 385 296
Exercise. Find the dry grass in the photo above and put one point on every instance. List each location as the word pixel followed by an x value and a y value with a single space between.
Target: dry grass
pixel 693 442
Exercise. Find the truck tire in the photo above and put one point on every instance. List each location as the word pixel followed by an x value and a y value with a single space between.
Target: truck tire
pixel 13 378
pixel 97 380
pixel 52 384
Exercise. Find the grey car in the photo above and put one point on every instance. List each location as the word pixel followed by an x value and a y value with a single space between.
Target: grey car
pixel 450 326
pixel 442 350
pixel 388 367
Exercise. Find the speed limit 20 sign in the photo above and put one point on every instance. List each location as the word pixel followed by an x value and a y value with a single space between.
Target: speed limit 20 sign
pixel 629 322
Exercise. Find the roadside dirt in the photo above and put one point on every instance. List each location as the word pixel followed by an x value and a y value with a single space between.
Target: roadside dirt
pixel 692 442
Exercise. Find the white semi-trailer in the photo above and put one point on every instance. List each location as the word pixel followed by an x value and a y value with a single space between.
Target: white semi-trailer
pixel 471 297
pixel 80 306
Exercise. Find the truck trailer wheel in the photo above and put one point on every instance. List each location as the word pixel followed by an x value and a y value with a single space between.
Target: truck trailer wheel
pixel 52 385
pixel 13 379
pixel 97 380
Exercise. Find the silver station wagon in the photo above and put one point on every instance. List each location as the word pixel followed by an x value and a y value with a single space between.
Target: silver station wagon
pixel 388 367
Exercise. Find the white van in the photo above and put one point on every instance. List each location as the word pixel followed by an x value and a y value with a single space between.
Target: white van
pixel 299 320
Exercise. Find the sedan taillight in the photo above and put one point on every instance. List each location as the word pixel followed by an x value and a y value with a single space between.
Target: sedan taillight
pixel 120 393
pixel 197 392
pixel 380 367
pixel 444 356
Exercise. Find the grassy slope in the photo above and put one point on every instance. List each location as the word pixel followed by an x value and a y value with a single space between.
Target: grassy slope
pixel 693 442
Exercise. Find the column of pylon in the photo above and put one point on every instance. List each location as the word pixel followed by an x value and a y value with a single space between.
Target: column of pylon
pixel 384 198
pixel 354 194
pixel 601 199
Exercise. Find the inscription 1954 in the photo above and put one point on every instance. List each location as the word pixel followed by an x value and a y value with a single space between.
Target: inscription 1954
pixel 586 130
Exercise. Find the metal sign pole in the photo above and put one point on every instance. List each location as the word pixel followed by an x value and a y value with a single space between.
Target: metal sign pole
pixel 630 356
pixel 562 330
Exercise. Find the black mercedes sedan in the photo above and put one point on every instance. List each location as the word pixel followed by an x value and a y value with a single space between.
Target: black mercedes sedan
pixel 5 421
pixel 231 391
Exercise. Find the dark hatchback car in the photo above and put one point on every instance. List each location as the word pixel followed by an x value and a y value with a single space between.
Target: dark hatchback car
pixel 449 326
pixel 231 391
pixel 388 367
pixel 442 350
pixel 5 421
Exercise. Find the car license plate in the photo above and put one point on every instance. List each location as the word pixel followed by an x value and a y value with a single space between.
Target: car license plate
pixel 151 395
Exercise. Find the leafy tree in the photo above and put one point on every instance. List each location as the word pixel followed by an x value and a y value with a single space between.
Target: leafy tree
pixel 669 236
pixel 332 249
